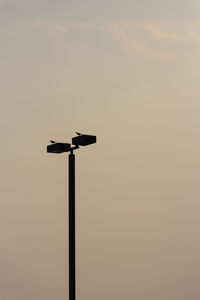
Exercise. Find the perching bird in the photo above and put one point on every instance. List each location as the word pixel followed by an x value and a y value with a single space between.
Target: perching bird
pixel 53 142
pixel 78 133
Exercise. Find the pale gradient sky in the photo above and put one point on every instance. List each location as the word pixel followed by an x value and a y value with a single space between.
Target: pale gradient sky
pixel 127 71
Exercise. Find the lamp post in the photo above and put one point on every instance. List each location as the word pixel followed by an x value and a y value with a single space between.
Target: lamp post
pixel 79 140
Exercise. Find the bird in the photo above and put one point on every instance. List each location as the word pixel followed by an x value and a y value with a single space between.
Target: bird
pixel 78 133
pixel 53 142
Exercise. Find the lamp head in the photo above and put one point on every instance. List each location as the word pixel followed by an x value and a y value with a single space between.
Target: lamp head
pixel 84 140
pixel 58 148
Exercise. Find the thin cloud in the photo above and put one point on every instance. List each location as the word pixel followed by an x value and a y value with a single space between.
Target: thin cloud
pixel 157 40
pixel 58 31
pixel 163 32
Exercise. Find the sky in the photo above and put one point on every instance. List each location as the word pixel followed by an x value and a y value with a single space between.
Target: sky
pixel 128 72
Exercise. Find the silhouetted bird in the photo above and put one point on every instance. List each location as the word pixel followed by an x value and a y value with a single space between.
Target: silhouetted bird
pixel 53 142
pixel 78 133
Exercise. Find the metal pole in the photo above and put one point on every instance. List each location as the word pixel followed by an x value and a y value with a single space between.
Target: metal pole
pixel 72 266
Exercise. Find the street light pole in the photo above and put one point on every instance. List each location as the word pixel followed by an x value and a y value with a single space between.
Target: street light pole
pixel 80 140
pixel 72 244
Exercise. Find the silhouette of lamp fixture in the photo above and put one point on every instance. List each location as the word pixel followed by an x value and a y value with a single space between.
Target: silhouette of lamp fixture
pixel 79 140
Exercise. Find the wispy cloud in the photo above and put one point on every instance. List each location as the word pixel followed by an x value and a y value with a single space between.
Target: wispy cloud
pixel 58 31
pixel 159 40
pixel 164 32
